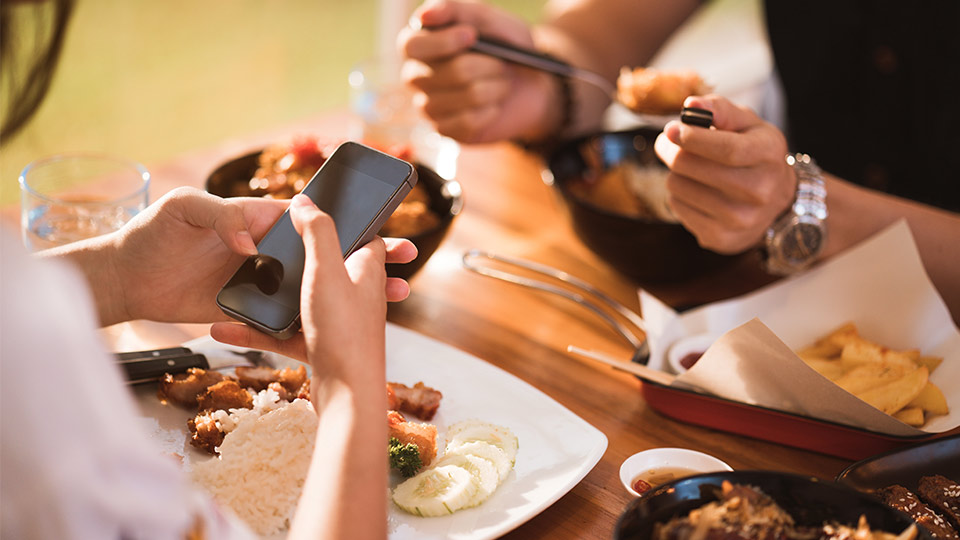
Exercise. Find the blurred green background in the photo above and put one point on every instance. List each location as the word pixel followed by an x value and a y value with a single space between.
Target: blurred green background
pixel 150 80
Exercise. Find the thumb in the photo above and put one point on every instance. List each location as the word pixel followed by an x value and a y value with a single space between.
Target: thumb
pixel 727 116
pixel 201 209
pixel 320 243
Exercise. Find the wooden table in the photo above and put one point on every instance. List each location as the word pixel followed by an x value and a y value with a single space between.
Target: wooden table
pixel 509 210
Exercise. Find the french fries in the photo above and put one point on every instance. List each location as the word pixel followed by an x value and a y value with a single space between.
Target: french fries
pixel 895 381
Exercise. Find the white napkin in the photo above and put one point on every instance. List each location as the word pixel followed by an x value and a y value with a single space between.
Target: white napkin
pixel 880 286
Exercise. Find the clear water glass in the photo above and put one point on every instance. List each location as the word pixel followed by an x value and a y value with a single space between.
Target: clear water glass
pixel 71 197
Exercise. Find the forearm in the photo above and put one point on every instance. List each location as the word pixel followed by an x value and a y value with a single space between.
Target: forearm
pixel 95 259
pixel 604 36
pixel 857 213
pixel 344 495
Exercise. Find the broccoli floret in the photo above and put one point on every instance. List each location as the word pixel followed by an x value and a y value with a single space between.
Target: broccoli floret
pixel 405 458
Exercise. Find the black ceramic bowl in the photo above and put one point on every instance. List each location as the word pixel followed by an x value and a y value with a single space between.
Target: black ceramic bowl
pixel 646 250
pixel 231 178
pixel 810 501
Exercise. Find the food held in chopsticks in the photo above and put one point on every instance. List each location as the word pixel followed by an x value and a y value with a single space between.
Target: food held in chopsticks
pixel 477 458
pixel 652 91
pixel 894 381
pixel 744 512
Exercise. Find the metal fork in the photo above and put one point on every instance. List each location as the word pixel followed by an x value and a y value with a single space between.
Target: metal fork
pixel 255 357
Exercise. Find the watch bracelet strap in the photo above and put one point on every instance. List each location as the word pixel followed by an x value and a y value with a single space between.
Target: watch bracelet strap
pixel 810 199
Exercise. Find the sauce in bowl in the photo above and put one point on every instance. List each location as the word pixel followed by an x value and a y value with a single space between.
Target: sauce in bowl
pixel 652 478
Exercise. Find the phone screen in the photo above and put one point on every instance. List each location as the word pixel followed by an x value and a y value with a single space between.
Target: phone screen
pixel 359 188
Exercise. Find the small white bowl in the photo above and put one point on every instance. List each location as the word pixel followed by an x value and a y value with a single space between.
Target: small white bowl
pixel 658 458
pixel 697 343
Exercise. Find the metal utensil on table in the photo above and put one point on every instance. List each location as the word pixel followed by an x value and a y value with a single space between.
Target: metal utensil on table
pixel 641 351
pixel 151 365
pixel 543 62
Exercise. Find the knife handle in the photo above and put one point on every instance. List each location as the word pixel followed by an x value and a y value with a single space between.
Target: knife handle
pixel 155 353
pixel 153 369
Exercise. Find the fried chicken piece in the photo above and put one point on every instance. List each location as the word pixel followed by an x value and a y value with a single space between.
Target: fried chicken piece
pixel 906 501
pixel 259 377
pixel 651 91
pixel 304 392
pixel 205 434
pixel 943 494
pixel 226 394
pixel 183 388
pixel 422 435
pixel 420 401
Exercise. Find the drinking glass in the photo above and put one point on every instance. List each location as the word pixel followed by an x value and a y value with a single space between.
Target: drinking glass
pixel 70 197
pixel 386 118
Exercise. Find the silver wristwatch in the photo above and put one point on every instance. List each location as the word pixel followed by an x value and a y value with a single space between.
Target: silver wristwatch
pixel 797 237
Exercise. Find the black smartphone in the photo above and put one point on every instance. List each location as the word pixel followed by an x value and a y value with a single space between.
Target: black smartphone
pixel 359 187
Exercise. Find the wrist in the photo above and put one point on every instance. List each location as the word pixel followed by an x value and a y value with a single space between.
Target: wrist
pixel 797 237
pixel 96 260
pixel 555 115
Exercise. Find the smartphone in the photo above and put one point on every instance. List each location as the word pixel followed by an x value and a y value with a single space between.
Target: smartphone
pixel 359 187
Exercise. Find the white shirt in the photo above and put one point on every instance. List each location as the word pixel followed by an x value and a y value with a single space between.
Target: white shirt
pixel 74 462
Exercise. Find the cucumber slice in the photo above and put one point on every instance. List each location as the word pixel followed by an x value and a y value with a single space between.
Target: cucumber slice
pixel 437 491
pixel 488 478
pixel 486 451
pixel 475 430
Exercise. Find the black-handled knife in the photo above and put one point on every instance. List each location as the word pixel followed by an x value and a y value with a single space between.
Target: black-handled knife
pixel 148 366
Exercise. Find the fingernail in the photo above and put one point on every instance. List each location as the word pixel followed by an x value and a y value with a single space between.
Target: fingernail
pixel 414 22
pixel 301 200
pixel 465 36
pixel 246 243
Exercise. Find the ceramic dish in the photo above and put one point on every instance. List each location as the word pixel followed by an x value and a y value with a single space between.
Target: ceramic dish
pixel 905 466
pixel 549 464
pixel 664 459
pixel 646 249
pixel 446 199
pixel 810 501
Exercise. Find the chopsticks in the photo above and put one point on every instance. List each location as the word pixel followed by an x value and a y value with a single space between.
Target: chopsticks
pixel 639 370
pixel 543 62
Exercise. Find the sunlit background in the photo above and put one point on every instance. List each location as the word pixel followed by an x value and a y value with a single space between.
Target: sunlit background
pixel 152 79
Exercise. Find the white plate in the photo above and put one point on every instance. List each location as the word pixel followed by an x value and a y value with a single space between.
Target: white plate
pixel 557 447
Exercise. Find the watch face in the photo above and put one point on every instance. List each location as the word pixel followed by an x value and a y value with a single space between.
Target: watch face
pixel 801 242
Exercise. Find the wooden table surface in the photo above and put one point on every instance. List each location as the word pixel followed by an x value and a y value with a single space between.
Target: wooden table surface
pixel 510 211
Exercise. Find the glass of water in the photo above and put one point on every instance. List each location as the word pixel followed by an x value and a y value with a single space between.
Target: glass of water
pixel 70 197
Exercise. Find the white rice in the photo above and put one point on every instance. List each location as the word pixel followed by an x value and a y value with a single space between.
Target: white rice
pixel 264 401
pixel 263 464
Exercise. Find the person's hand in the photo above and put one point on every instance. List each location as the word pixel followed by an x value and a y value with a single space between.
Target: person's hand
pixel 168 263
pixel 726 185
pixel 468 96
pixel 358 267
pixel 343 303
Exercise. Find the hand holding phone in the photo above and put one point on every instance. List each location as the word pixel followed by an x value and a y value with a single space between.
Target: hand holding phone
pixel 359 187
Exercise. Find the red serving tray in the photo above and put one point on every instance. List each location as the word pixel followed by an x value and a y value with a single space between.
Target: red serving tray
pixel 770 424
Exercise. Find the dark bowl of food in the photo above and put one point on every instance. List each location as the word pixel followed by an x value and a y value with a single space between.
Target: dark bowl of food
pixel 758 504
pixel 282 170
pixel 614 186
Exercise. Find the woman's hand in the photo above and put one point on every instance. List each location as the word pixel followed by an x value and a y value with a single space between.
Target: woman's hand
pixel 355 274
pixel 727 185
pixel 472 97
